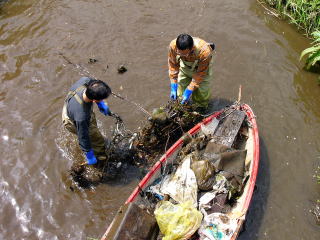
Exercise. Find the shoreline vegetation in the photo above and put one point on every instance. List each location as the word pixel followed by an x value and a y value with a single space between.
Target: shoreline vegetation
pixel 305 14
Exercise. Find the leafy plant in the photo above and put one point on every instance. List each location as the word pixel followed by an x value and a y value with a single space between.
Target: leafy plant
pixel 312 52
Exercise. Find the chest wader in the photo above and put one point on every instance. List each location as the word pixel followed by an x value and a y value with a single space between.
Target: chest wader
pixel 200 95
pixel 96 138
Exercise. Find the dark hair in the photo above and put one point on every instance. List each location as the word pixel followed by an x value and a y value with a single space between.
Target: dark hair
pixel 97 90
pixel 184 41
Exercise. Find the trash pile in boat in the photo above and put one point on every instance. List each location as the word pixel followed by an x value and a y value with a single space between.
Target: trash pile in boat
pixel 141 148
pixel 194 195
pixel 207 181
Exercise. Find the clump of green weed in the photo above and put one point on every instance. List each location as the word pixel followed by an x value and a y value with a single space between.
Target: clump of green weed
pixel 313 52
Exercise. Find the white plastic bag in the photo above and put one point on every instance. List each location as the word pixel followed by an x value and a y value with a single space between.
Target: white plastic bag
pixel 182 186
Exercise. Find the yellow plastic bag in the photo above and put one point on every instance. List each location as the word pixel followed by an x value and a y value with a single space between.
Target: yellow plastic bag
pixel 177 222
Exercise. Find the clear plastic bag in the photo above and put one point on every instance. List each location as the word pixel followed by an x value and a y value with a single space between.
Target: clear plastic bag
pixel 177 222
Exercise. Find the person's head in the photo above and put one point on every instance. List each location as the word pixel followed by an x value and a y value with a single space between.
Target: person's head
pixel 97 90
pixel 184 44
pixel 184 41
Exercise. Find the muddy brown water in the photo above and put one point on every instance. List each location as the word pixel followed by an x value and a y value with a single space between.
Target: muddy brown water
pixel 253 49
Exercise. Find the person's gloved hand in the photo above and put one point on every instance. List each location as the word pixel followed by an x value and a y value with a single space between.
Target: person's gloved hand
pixel 91 159
pixel 103 108
pixel 186 95
pixel 173 93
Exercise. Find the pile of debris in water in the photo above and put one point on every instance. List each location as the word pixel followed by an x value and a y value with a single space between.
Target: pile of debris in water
pixel 165 126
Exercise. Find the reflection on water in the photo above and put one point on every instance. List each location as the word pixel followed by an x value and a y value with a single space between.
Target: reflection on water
pixel 252 49
pixel 307 99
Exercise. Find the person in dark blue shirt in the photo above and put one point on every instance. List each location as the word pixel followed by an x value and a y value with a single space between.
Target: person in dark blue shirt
pixel 78 116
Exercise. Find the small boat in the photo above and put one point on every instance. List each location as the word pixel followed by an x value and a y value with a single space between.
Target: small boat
pixel 129 219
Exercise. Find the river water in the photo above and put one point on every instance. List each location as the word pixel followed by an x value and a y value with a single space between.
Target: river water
pixel 253 48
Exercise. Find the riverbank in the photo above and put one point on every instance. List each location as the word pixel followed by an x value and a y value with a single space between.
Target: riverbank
pixel 306 16
pixel 303 13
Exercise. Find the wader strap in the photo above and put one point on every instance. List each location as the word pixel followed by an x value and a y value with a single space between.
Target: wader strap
pixel 178 58
pixel 194 65
pixel 74 94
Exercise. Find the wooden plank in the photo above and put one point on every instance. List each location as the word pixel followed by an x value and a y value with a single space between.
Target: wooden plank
pixel 228 128
pixel 132 223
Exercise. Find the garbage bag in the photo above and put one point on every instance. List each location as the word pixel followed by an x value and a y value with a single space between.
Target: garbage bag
pixel 177 222
pixel 182 186
pixel 233 162
pixel 204 172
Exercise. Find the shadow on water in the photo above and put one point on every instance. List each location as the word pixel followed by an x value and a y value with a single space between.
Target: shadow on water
pixel 260 197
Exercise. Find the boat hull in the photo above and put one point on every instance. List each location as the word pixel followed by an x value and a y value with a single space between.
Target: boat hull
pixel 252 155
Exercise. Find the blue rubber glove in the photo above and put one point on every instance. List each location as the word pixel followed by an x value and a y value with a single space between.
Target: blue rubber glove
pixel 173 93
pixel 186 96
pixel 103 108
pixel 91 159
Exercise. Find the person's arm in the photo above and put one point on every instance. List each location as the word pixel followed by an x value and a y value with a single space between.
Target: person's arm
pixel 84 140
pixel 173 65
pixel 83 135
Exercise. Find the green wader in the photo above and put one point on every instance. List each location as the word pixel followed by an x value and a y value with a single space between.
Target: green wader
pixel 200 95
pixel 96 138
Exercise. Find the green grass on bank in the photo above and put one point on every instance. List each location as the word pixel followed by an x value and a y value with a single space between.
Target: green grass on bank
pixel 303 13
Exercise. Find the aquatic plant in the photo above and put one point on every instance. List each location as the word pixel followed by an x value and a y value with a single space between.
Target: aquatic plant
pixel 312 52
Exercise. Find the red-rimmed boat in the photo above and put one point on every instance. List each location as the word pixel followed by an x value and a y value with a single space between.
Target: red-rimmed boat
pixel 251 145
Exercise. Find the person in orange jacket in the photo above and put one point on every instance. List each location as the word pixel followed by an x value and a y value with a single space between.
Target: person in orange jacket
pixel 190 69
